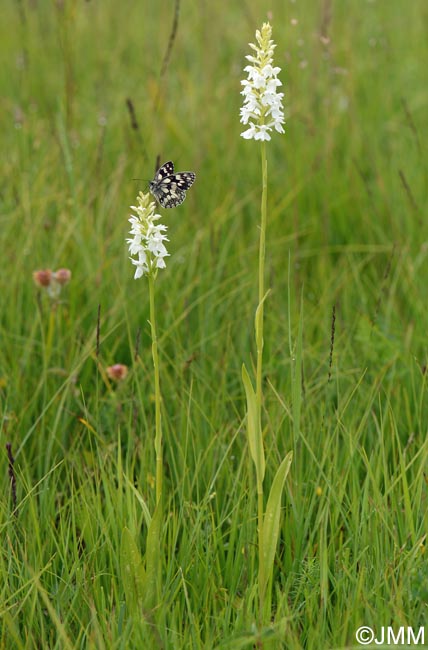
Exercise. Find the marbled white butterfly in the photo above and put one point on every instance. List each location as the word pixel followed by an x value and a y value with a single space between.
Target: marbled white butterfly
pixel 169 188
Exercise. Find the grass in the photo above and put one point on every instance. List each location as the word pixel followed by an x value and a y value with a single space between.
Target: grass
pixel 346 229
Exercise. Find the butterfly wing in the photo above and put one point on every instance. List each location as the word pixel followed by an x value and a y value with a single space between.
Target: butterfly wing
pixel 184 180
pixel 171 198
pixel 169 188
pixel 165 170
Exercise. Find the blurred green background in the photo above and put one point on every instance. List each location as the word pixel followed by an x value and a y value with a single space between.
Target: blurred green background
pixel 347 230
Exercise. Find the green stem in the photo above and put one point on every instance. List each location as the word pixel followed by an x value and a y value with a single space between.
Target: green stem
pixel 262 246
pixel 259 343
pixel 50 335
pixel 261 558
pixel 158 435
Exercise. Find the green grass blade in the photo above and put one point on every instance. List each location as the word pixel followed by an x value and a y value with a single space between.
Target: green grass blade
pixel 153 559
pixel 297 376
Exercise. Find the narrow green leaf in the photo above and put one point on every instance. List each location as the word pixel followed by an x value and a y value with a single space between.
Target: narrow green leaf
pixel 258 321
pixel 132 572
pixel 272 517
pixel 297 376
pixel 139 497
pixel 255 440
pixel 153 559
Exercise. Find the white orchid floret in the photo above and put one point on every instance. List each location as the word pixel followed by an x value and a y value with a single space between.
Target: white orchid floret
pixel 262 108
pixel 147 241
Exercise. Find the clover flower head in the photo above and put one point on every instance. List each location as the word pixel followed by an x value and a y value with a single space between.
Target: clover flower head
pixel 147 242
pixel 262 108
pixel 62 276
pixel 117 372
pixel 52 281
pixel 42 277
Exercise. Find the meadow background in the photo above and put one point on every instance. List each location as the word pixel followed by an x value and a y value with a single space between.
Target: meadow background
pixel 347 235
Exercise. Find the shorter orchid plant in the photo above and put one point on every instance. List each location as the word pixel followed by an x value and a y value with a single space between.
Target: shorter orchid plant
pixel 147 244
pixel 147 253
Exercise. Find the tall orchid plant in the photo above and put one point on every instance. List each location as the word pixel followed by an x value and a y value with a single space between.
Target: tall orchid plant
pixel 262 111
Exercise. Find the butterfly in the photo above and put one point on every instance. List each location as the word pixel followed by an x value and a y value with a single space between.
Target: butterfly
pixel 169 188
